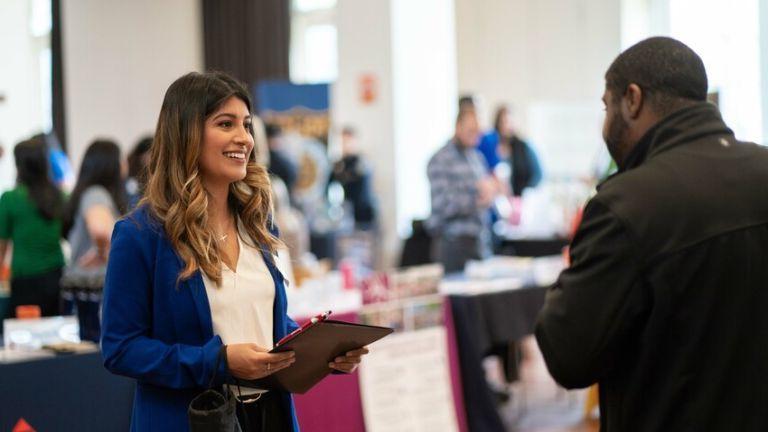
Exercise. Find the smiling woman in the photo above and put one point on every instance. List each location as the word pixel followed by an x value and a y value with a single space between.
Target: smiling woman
pixel 207 206
pixel 192 275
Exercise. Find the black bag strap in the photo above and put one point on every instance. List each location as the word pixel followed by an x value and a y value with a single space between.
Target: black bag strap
pixel 222 353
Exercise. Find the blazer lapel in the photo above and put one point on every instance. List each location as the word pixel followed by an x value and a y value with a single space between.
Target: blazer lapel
pixel 195 287
pixel 279 305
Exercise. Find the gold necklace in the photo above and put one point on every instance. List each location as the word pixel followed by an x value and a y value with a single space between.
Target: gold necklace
pixel 224 236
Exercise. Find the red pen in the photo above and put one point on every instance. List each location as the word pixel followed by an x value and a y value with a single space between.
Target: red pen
pixel 312 321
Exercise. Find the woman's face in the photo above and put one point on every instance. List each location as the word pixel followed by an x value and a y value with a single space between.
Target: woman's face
pixel 505 125
pixel 227 144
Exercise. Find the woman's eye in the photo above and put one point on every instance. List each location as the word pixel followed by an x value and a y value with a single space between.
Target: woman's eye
pixel 226 124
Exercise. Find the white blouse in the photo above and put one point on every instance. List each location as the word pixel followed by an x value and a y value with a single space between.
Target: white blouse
pixel 242 307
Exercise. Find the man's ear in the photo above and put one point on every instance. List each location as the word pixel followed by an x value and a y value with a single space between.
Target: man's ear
pixel 632 102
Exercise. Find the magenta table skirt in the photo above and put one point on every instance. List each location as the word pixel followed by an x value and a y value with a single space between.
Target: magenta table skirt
pixel 335 403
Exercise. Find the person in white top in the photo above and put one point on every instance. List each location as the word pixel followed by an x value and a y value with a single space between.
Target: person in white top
pixel 192 275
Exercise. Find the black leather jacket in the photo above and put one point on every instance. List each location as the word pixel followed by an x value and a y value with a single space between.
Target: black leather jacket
pixel 665 304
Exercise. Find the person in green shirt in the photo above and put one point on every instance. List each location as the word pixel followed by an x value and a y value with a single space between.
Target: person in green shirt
pixel 30 221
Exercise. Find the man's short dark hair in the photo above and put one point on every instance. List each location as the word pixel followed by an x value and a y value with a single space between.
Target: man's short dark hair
pixel 670 73
pixel 466 101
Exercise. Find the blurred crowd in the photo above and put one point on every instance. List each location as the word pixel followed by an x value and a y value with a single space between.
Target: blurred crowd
pixel 55 227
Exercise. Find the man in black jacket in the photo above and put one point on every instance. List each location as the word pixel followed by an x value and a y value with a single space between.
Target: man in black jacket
pixel 665 304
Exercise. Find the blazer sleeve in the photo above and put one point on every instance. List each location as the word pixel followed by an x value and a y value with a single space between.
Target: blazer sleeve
pixel 127 345
pixel 596 303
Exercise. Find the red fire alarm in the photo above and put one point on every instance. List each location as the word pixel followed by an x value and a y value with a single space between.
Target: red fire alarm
pixel 369 88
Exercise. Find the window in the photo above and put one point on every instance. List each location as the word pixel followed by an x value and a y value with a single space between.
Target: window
pixel 40 31
pixel 727 37
pixel 313 5
pixel 314 50
pixel 25 77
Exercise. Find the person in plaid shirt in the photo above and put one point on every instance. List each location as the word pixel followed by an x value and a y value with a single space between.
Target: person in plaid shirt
pixel 461 194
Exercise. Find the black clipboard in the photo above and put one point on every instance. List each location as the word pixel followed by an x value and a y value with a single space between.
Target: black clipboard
pixel 315 347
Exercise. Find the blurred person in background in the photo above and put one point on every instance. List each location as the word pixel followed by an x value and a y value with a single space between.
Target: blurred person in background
pixel 138 160
pixel 294 229
pixel 97 201
pixel 461 194
pixel 61 168
pixel 509 156
pixel 353 173
pixel 664 302
pixel 30 222
pixel 260 141
pixel 280 163
pixel 192 272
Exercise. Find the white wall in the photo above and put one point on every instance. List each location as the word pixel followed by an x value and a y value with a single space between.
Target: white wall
pixel 731 54
pixel 119 58
pixel 425 86
pixel 409 47
pixel 364 38
pixel 21 112
pixel 547 58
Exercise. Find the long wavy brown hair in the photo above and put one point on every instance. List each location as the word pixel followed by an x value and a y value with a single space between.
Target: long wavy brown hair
pixel 175 193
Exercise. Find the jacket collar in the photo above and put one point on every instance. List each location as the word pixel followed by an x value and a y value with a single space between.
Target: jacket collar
pixel 195 284
pixel 681 127
pixel 196 287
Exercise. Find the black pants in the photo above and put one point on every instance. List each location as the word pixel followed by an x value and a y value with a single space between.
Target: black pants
pixel 510 355
pixel 454 252
pixel 264 415
pixel 42 290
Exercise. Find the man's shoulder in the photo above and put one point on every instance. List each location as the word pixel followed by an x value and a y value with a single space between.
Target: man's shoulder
pixel 445 153
pixel 675 174
pixel 644 198
pixel 685 196
pixel 622 185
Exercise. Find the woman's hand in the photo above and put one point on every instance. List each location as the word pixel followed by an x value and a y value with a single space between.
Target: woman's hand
pixel 250 361
pixel 349 362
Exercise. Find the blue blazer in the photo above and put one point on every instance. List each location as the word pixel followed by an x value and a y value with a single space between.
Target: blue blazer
pixel 160 332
